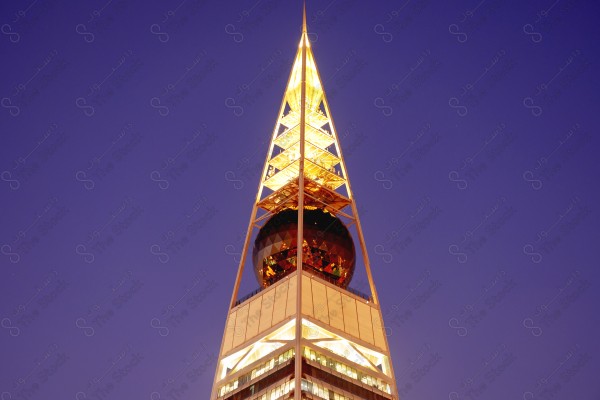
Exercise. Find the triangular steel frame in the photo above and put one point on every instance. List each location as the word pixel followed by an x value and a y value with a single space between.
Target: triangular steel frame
pixel 301 180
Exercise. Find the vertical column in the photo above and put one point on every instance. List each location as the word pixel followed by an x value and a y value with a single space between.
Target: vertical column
pixel 300 238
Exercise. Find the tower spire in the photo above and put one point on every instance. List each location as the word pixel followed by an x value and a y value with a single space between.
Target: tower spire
pixel 304 315
pixel 304 17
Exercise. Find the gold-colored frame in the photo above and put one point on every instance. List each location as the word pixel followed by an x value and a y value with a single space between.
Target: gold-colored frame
pixel 304 172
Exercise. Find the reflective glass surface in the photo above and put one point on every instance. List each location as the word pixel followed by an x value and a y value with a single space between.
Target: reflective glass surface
pixel 327 249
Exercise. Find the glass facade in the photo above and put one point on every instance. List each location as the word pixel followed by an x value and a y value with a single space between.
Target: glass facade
pixel 346 370
pixel 256 372
pixel 311 387
pixel 321 391
pixel 344 348
pixel 257 350
pixel 279 392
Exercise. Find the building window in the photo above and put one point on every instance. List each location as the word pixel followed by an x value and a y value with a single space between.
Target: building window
pixel 346 370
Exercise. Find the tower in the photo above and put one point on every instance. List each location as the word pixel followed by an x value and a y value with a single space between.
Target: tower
pixel 305 333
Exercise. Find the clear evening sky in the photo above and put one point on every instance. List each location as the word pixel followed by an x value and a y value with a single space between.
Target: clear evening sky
pixel 133 132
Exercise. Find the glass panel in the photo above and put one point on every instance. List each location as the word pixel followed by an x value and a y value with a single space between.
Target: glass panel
pixel 342 369
pixel 255 373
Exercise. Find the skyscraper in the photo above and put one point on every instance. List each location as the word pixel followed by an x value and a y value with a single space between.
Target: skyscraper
pixel 305 333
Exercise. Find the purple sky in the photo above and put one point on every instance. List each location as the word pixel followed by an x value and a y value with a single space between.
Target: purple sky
pixel 132 137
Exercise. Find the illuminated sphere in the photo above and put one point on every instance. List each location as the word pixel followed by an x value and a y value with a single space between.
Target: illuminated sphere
pixel 328 249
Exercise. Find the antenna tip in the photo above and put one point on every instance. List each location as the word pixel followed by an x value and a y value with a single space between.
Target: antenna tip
pixel 304 16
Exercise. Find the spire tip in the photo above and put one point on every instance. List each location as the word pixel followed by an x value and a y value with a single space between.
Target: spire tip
pixel 304 17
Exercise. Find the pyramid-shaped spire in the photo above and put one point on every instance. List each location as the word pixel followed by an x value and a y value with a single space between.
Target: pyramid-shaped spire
pixel 314 88
pixel 304 257
pixel 304 139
